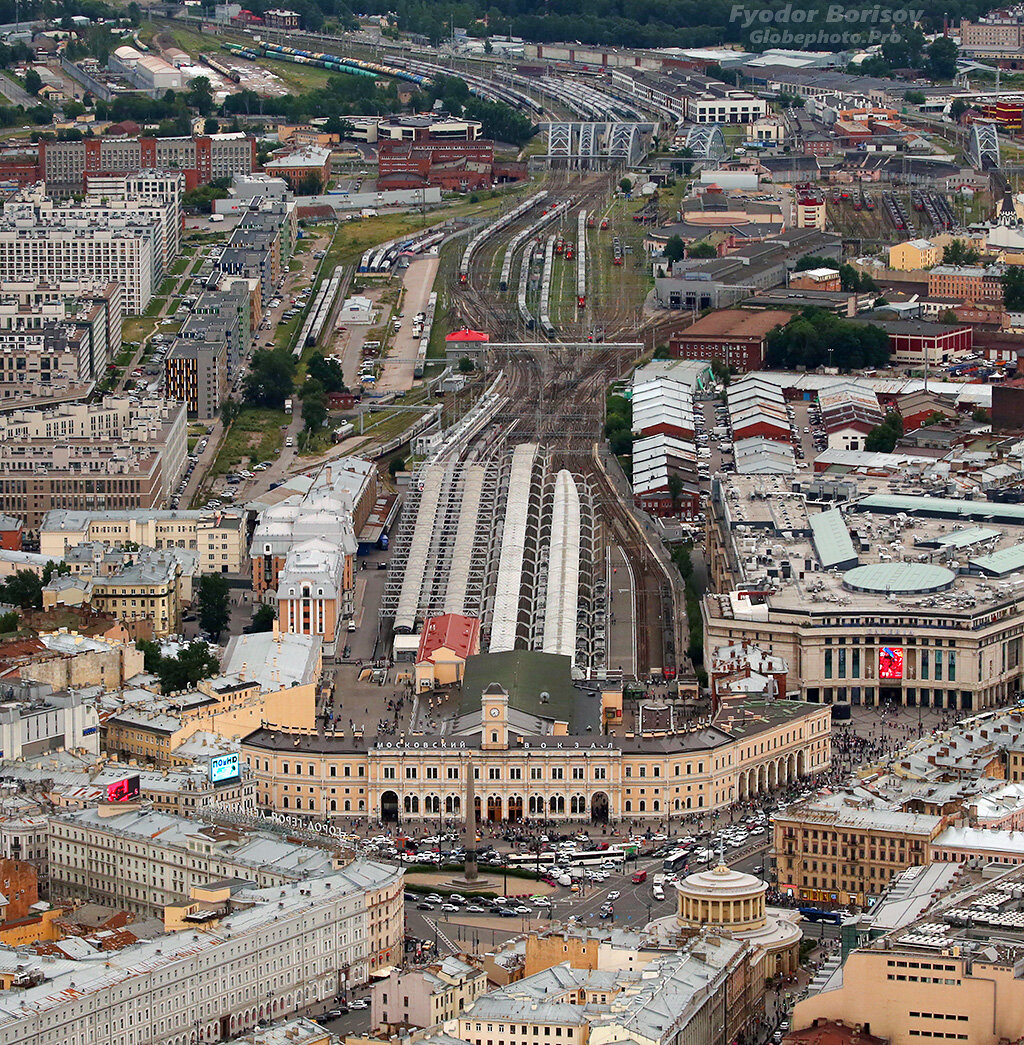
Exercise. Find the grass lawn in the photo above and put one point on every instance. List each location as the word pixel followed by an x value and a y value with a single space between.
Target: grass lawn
pixel 154 306
pixel 178 268
pixel 256 435
pixel 301 77
pixel 138 327
pixel 168 285
pixel 285 333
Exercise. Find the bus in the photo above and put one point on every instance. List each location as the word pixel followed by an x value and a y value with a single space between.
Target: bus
pixel 529 860
pixel 596 857
pixel 815 914
pixel 675 861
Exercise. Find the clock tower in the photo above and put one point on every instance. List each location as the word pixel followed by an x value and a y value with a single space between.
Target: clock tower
pixel 494 718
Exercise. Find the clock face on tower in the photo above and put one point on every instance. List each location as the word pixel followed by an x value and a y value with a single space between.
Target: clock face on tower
pixel 495 712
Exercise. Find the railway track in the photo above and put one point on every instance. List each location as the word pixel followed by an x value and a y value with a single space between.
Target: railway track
pixel 555 396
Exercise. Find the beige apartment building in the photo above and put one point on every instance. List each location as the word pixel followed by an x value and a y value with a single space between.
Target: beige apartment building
pixel 218 537
pixel 426 997
pixel 555 777
pixel 115 454
pixel 846 855
pixel 950 973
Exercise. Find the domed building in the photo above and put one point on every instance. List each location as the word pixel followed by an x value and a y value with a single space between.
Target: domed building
pixel 734 902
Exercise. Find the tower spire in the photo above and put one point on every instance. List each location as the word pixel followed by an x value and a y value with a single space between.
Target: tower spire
pixel 469 833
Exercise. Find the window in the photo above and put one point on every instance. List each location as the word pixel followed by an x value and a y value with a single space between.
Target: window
pixel 828 664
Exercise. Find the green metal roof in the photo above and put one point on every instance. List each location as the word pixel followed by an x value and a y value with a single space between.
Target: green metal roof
pixel 832 540
pixel 942 508
pixel 524 675
pixel 1002 562
pixel 965 538
pixel 899 578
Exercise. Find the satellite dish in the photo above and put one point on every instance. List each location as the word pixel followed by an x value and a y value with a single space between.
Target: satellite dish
pixel 545 696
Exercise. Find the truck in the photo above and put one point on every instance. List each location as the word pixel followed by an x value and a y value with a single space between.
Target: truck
pixel 214 218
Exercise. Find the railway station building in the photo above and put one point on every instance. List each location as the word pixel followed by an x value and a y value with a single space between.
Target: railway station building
pixel 538 754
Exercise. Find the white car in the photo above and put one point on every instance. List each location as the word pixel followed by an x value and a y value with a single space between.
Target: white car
pixel 614 894
pixel 540 901
pixel 359 1003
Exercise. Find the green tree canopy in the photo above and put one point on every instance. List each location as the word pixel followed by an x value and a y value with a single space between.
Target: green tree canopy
pixel 271 378
pixel 212 599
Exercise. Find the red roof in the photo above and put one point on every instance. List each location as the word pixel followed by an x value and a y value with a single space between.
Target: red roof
pixel 467 335
pixel 450 631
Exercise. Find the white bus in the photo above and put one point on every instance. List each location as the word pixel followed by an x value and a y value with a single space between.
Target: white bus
pixel 529 860
pixel 596 857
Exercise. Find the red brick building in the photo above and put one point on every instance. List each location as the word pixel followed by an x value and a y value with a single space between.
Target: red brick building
pixel 19 883
pixel 457 166
pixel 734 336
pixel 10 533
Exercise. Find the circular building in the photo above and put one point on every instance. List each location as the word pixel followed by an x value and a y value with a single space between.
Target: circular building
pixel 734 902
pixel 899 578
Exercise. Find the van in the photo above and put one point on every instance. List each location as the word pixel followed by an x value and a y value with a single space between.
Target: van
pixel 638 877
pixel 658 892
pixel 352 626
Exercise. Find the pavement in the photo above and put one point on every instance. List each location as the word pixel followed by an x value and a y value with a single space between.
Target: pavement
pixel 15 93
pixel 399 364
pixel 622 614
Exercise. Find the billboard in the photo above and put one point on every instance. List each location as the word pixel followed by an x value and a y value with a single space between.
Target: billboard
pixel 225 769
pixel 124 790
pixel 890 662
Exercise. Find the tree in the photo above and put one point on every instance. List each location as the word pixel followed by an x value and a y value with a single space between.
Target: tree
pixel 210 125
pixel 675 490
pixel 23 589
pixel 151 656
pixel 33 82
pixel 9 622
pixel 882 438
pixel 947 315
pixel 229 410
pixel 314 406
pixel 721 371
pixel 212 597
pixel 310 184
pixel 396 465
pixel 1013 288
pixel 675 248
pixel 327 372
pixel 196 661
pixel 466 365
pixel 263 619
pixel 960 253
pixel 957 109
pixel 339 126
pixel 200 96
pixel 626 184
pixel 942 56
pixel 915 97
pixel 271 378
pixel 55 569
pixel 702 250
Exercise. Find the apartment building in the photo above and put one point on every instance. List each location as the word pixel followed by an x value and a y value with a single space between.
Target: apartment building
pixel 839 853
pixel 196 374
pixel 966 283
pixel 123 250
pixel 116 454
pixel 218 537
pixel 942 966
pixel 145 595
pixel 312 588
pixel 264 954
pixel 66 166
pixel 686 996
pixel 426 997
pixel 84 294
